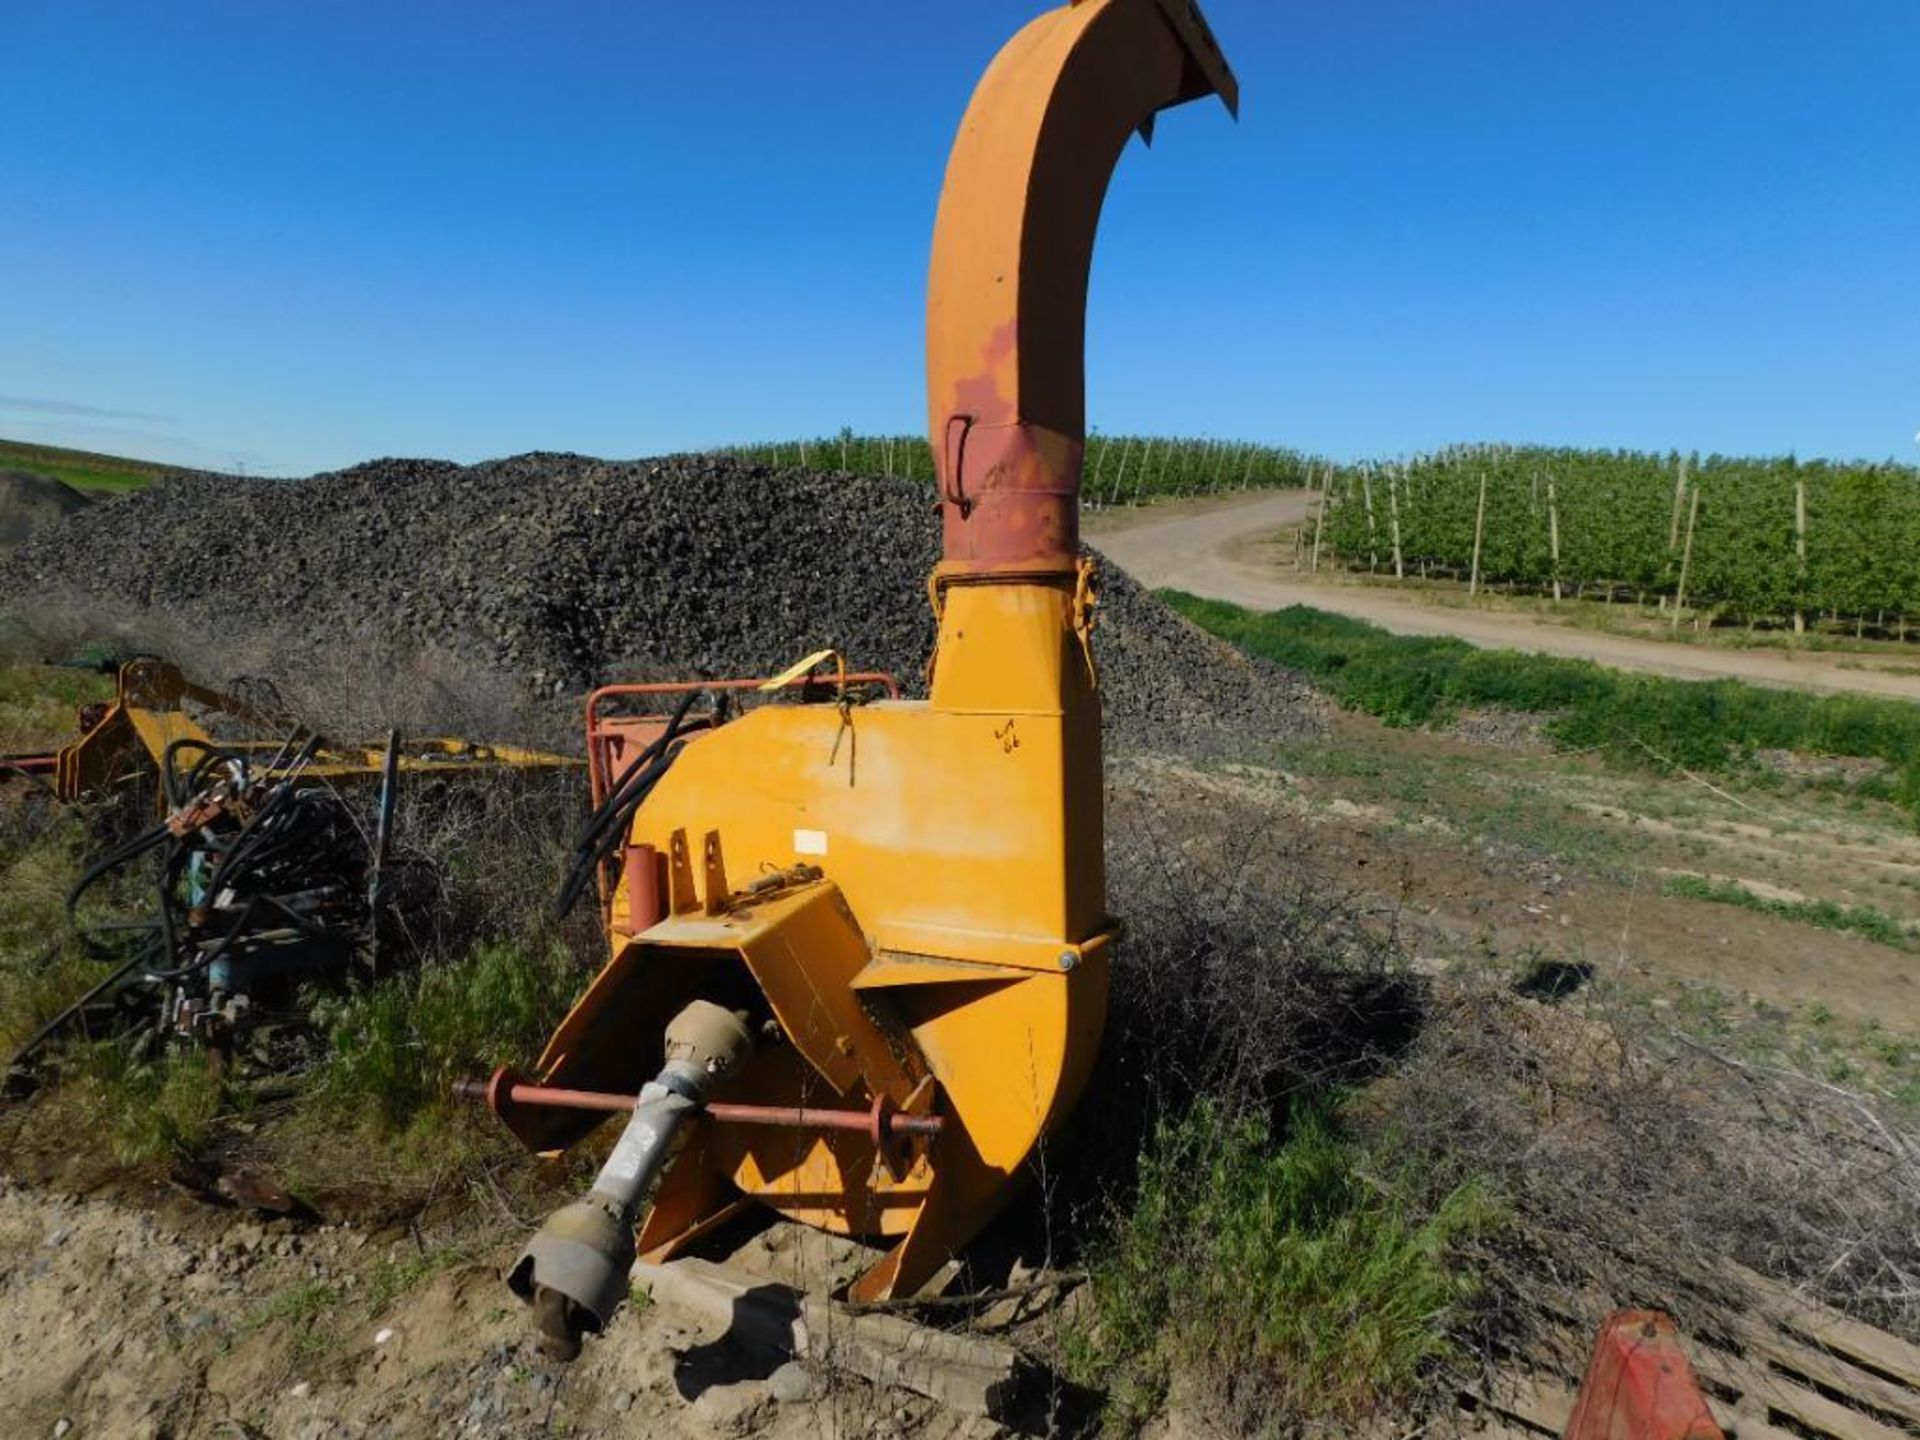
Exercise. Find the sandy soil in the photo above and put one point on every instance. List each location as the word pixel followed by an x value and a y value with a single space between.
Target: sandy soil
pixel 1494 850
pixel 128 1309
pixel 136 1314
pixel 1214 547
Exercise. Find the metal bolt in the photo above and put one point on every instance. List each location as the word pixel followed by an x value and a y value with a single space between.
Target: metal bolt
pixel 1068 959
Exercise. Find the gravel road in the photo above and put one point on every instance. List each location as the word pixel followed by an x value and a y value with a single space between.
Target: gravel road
pixel 1212 548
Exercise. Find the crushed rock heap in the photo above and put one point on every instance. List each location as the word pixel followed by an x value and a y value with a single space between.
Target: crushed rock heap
pixel 562 570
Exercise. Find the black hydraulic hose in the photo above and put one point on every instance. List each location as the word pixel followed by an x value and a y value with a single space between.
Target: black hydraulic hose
pixel 615 834
pixel 617 798
pixel 305 924
pixel 213 952
pixel 590 849
pixel 290 849
pixel 74 1011
pixel 169 881
pixel 197 778
pixel 609 819
pixel 110 862
pixel 271 850
pixel 280 755
pixel 246 846
pixel 273 844
pixel 588 860
pixel 170 777
pixel 588 863
pixel 227 871
pixel 257 823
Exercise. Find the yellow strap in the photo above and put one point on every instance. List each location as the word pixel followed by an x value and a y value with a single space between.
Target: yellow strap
pixel 800 667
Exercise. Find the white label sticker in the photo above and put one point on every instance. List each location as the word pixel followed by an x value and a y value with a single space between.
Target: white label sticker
pixel 809 842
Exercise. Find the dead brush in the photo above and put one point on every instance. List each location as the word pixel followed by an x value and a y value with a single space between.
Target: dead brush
pixel 1644 1168
pixel 346 686
pixel 481 857
pixel 1241 975
pixel 1251 1253
pixel 1279 1085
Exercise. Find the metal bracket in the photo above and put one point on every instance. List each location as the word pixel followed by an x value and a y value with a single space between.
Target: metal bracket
pixel 719 893
pixel 954 488
pixel 680 892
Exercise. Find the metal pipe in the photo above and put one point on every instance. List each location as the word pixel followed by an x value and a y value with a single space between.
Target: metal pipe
pixel 799 1117
pixel 791 1117
pixel 1012 247
pixel 573 1272
pixel 382 846
pixel 646 895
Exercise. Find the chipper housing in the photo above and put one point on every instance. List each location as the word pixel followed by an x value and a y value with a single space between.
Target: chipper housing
pixel 904 899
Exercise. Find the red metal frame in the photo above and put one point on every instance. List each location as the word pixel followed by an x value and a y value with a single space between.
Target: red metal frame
pixel 600 733
pixel 505 1092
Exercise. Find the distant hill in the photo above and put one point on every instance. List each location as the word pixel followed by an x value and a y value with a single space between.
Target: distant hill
pixel 81 469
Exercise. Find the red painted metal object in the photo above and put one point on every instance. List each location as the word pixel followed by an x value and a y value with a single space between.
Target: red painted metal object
pixel 1007 298
pixel 610 736
pixel 1640 1386
pixel 646 879
pixel 505 1091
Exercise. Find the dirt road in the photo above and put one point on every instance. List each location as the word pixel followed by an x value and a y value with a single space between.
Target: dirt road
pixel 1214 548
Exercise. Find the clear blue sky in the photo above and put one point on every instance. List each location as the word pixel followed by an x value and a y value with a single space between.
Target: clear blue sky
pixel 294 235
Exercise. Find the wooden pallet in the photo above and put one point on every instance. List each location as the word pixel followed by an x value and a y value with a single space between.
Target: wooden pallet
pixel 1780 1369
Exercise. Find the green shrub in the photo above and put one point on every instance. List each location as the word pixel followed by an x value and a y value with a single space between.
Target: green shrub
pixel 39 704
pixel 1865 920
pixel 149 1110
pixel 1619 517
pixel 1303 1279
pixel 398 1046
pixel 1639 719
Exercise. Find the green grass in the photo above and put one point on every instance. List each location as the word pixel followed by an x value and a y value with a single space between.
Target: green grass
pixel 307 1311
pixel 39 705
pixel 42 967
pixel 153 1111
pixel 1117 469
pixel 319 1317
pixel 89 477
pixel 1810 1039
pixel 1301 1280
pixel 1864 920
pixel 1650 622
pixel 81 469
pixel 1641 719
pixel 398 1046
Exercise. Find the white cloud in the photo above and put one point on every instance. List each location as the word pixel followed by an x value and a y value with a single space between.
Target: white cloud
pixel 36 405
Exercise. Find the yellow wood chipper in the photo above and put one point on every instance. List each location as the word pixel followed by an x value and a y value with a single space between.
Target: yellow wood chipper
pixel 859 943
